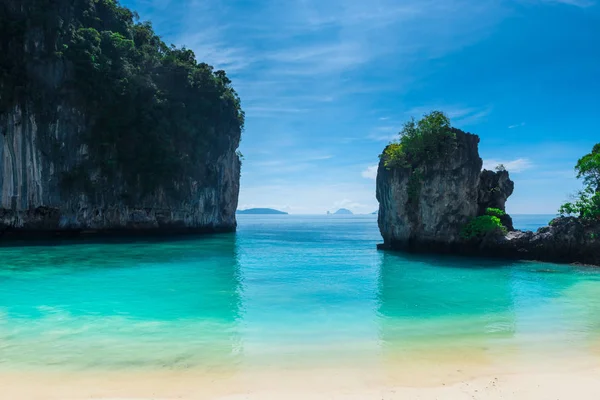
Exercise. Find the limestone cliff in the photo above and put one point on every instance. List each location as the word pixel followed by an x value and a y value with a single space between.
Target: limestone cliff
pixel 95 137
pixel 453 191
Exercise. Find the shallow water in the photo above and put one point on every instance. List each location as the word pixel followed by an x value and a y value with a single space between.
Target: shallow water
pixel 283 291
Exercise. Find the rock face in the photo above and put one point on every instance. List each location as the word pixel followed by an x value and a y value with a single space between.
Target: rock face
pixel 566 240
pixel 455 190
pixel 452 191
pixel 32 199
pixel 494 190
pixel 41 147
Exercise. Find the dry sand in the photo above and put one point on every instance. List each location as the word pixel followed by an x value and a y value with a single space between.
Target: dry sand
pixel 577 381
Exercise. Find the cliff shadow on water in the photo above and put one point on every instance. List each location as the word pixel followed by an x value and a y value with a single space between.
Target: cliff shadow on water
pixel 434 197
pixel 103 127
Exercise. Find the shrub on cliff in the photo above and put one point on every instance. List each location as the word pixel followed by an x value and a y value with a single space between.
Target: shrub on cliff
pixel 421 141
pixel 496 212
pixel 586 204
pixel 483 225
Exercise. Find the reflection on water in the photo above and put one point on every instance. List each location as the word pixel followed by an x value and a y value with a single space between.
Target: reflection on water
pixel 485 309
pixel 167 304
pixel 417 293
pixel 284 290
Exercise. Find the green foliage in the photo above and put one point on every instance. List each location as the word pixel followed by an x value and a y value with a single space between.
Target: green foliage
pixel 393 156
pixel 496 212
pixel 484 224
pixel 586 204
pixel 588 168
pixel 481 226
pixel 426 140
pixel 154 115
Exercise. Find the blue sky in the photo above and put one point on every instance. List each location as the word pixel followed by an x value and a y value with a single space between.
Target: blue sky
pixel 326 84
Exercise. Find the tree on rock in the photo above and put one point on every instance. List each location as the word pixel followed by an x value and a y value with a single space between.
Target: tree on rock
pixel 588 168
pixel 586 204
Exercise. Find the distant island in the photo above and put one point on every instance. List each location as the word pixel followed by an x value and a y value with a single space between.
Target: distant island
pixel 375 213
pixel 261 211
pixel 343 211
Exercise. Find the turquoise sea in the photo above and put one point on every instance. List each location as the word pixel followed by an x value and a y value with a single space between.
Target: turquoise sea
pixel 283 291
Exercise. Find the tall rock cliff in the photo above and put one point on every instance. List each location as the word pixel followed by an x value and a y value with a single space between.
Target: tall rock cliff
pixel 451 191
pixel 430 216
pixel 104 127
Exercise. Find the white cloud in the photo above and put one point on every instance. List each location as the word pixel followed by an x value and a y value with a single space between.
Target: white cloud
pixel 516 125
pixel 514 166
pixel 370 172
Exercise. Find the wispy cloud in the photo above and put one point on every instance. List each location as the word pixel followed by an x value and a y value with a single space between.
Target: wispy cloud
pixel 273 110
pixel 370 172
pixel 322 78
pixel 514 166
pixel 384 133
pixel 516 125
pixel 310 46
pixel 576 3
pixel 459 115
pixel 207 46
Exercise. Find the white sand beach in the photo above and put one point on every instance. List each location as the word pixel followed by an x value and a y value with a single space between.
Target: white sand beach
pixel 561 381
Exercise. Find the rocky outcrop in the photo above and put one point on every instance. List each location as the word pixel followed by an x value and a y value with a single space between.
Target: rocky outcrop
pixel 33 199
pixel 46 186
pixel 455 190
pixel 450 192
pixel 494 189
pixel 565 240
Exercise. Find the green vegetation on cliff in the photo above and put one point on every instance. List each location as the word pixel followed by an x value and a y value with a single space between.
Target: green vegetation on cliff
pixel 586 204
pixel 420 141
pixel 427 140
pixel 495 212
pixel 483 225
pixel 152 113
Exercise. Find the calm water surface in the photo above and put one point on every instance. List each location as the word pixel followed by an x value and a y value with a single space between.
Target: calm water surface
pixel 283 290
